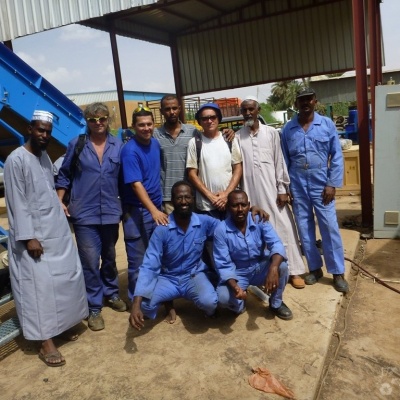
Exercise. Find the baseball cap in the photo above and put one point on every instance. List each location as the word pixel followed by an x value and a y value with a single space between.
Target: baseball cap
pixel 213 106
pixel 307 91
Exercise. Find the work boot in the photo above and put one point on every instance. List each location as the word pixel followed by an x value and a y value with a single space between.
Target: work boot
pixel 340 284
pixel 116 304
pixel 282 312
pixel 95 321
pixel 313 276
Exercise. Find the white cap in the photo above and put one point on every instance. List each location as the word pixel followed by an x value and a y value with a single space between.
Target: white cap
pixel 250 97
pixel 39 115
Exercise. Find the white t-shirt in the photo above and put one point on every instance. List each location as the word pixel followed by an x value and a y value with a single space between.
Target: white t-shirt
pixel 215 166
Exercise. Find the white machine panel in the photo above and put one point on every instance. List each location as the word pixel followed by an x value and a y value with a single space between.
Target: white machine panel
pixel 387 162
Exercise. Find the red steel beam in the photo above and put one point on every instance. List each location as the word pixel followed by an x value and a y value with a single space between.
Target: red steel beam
pixel 363 114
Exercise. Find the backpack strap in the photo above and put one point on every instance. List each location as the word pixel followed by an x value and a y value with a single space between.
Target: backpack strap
pixel 199 144
pixel 75 164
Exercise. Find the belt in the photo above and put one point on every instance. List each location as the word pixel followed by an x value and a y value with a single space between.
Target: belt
pixel 308 166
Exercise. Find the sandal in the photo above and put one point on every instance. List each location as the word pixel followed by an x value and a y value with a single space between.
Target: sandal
pixel 68 336
pixel 49 357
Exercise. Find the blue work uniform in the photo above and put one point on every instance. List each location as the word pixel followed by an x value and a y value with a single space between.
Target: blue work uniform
pixel 95 209
pixel 246 258
pixel 173 268
pixel 314 160
pixel 140 163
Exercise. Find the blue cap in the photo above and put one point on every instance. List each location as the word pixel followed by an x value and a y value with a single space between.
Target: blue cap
pixel 213 106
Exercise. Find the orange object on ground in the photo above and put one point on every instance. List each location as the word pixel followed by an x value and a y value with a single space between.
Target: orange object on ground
pixel 263 380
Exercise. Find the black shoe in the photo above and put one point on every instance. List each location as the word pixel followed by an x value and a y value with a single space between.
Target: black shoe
pixel 282 312
pixel 313 276
pixel 340 284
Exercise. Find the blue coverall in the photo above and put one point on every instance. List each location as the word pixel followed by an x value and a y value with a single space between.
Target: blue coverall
pixel 244 257
pixel 173 268
pixel 95 209
pixel 314 160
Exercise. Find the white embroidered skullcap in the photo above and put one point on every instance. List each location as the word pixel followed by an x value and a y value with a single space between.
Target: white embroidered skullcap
pixel 250 97
pixel 39 115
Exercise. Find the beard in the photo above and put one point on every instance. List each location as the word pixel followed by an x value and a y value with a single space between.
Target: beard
pixel 184 214
pixel 249 123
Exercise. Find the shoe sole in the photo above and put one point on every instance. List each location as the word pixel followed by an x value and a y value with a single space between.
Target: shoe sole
pixel 281 317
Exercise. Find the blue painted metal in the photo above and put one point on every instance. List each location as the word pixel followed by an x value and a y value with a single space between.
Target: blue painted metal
pixel 9 330
pixel 23 90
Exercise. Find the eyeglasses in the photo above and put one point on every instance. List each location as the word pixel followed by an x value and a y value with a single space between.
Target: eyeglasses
pixel 94 120
pixel 208 117
pixel 140 108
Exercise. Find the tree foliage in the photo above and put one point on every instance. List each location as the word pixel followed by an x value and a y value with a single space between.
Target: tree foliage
pixel 266 111
pixel 283 93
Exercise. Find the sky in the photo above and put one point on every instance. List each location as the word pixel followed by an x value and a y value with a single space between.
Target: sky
pixel 77 59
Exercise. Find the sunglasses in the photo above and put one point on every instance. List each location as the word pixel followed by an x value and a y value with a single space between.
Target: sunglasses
pixel 140 108
pixel 208 117
pixel 93 120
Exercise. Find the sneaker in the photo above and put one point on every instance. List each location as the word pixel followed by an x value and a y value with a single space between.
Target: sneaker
pixel 313 276
pixel 116 304
pixel 95 321
pixel 340 284
pixel 282 312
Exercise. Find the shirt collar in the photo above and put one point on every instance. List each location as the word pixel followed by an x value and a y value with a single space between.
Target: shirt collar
pixel 194 221
pixel 231 227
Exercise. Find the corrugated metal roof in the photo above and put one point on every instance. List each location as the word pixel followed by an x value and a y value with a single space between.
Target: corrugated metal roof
pixel 219 45
pixel 24 17
pixel 82 99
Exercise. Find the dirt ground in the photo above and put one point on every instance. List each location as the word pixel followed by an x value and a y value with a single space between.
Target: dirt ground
pixel 199 358
pixel 364 356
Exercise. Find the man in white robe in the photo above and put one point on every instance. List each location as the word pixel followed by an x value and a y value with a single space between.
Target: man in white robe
pixel 45 270
pixel 265 179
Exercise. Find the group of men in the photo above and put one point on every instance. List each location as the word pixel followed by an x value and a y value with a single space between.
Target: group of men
pixel 166 241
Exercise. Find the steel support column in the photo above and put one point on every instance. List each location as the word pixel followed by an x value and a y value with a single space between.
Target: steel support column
pixel 362 108
pixel 118 79
pixel 177 77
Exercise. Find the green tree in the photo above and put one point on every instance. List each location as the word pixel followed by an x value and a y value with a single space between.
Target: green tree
pixel 266 111
pixel 283 93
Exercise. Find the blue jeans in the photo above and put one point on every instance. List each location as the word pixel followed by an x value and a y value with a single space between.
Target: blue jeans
pixel 95 242
pixel 138 226
pixel 255 275
pixel 194 287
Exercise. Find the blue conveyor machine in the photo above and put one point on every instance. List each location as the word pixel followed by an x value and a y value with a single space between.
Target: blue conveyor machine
pixel 23 90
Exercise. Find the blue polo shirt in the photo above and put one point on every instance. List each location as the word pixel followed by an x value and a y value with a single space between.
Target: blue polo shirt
pixel 141 163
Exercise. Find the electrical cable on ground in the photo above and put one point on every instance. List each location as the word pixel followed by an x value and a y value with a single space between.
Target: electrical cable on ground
pixel 340 334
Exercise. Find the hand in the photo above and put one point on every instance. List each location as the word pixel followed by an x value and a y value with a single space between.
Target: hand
pixel 264 216
pixel 35 249
pixel 221 199
pixel 159 217
pixel 282 200
pixel 136 318
pixel 328 195
pixel 65 209
pixel 272 280
pixel 229 134
pixel 240 293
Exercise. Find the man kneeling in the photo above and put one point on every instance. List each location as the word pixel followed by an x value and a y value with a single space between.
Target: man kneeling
pixel 172 266
pixel 242 259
